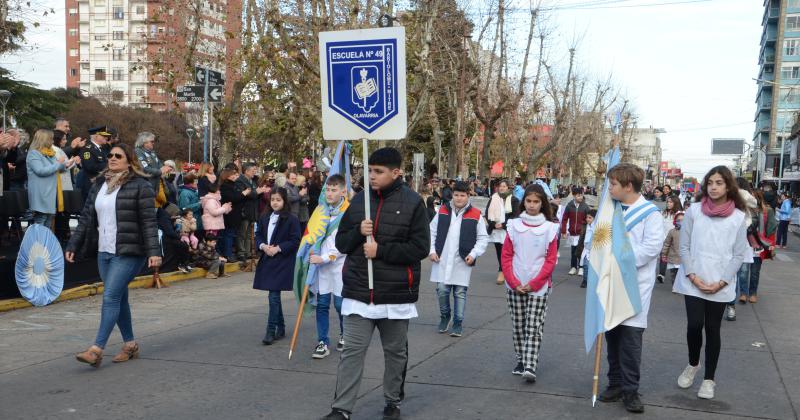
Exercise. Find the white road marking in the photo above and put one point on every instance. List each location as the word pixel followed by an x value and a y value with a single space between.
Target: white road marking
pixel 30 326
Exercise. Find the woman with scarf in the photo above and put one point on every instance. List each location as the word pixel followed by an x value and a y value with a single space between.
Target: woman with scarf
pixel 118 225
pixel 713 244
pixel 45 185
pixel 503 206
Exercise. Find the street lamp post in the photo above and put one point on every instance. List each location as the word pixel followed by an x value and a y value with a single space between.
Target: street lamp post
pixel 190 133
pixel 4 97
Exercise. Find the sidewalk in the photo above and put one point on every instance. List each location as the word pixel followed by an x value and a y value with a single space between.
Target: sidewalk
pixel 202 358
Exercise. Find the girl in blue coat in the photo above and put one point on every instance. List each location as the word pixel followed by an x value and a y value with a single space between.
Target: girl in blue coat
pixel 277 237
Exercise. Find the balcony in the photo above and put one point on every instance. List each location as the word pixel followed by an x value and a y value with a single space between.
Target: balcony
pixel 771 14
pixel 770 35
pixel 764 103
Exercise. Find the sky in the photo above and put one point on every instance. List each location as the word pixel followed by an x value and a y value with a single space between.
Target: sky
pixel 686 67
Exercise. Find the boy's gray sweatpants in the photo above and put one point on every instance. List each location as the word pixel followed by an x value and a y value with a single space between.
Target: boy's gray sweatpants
pixel 357 336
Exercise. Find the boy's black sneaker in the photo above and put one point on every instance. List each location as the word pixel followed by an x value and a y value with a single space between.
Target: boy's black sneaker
pixel 529 376
pixel 340 344
pixel 457 330
pixel 519 369
pixel 268 339
pixel 660 278
pixel 183 269
pixel 611 394
pixel 336 415
pixel 391 412
pixel 444 322
pixel 583 284
pixel 632 402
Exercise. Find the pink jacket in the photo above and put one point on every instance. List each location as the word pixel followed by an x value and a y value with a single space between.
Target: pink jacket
pixel 213 211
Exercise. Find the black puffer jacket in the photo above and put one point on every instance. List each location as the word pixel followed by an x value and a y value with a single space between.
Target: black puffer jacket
pixel 401 231
pixel 232 193
pixel 137 229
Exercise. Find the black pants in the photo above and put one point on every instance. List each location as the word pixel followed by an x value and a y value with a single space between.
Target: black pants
pixel 662 268
pixel 499 248
pixel 573 256
pixel 700 314
pixel 624 349
pixel 783 231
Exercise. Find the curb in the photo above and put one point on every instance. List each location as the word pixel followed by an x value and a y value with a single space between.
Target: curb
pixel 93 289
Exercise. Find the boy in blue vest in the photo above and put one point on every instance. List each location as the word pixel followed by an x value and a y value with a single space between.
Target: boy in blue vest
pixel 645 228
pixel 458 238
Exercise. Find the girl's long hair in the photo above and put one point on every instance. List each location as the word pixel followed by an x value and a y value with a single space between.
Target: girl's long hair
pixel 537 189
pixel 730 183
pixel 676 206
pixel 284 195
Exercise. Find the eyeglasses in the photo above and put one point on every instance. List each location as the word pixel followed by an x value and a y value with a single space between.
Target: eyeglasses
pixel 118 156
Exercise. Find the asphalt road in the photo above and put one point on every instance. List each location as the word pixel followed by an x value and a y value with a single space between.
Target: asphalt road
pixel 202 358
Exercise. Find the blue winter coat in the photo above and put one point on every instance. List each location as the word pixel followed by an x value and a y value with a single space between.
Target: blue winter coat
pixel 42 173
pixel 189 199
pixel 277 273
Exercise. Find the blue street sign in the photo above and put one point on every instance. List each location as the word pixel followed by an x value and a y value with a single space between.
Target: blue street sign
pixel 362 81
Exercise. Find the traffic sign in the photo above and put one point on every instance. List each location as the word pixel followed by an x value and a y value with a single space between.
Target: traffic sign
pixel 363 75
pixel 194 93
pixel 214 77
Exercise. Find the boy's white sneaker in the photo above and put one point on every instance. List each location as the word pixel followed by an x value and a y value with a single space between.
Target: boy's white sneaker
pixel 580 271
pixel 572 271
pixel 706 391
pixel 687 377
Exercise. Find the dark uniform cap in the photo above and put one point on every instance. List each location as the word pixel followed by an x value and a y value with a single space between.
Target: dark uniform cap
pixel 103 130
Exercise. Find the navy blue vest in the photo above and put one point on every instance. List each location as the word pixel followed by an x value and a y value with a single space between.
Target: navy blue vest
pixel 469 229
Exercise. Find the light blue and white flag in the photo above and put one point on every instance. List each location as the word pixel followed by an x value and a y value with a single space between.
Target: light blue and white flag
pixel 612 292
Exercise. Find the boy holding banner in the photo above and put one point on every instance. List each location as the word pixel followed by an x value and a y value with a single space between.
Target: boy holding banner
pixel 645 232
pixel 395 238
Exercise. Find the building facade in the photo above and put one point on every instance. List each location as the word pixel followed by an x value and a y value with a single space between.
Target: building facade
pixel 135 52
pixel 778 95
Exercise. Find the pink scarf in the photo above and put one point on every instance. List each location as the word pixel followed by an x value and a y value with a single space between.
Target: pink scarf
pixel 717 210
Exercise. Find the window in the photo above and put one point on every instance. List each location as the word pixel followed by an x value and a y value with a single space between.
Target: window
pixel 73 32
pixel 790 72
pixel 99 74
pixel 73 52
pixel 791 47
pixel 117 74
pixel 73 12
pixel 792 23
pixel 117 95
pixel 160 91
pixel 139 92
pixel 118 54
pixel 119 13
pixel 794 4
pixel 73 72
pixel 139 10
pixel 790 96
pixel 100 37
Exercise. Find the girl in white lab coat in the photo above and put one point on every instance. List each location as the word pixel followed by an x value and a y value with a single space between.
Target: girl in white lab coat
pixel 713 243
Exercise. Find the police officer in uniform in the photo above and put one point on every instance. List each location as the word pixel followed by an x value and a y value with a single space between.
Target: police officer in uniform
pixel 93 158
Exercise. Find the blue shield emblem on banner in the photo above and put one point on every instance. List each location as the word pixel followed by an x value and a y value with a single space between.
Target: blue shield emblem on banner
pixel 362 81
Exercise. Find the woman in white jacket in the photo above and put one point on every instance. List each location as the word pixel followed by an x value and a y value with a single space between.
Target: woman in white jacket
pixel 713 244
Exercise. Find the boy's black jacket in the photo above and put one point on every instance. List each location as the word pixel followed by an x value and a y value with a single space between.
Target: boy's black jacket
pixel 401 230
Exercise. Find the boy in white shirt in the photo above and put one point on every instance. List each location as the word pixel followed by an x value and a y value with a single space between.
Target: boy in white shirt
pixel 330 263
pixel 646 233
pixel 458 238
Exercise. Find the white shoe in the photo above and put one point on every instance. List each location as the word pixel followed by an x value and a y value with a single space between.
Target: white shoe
pixel 687 377
pixel 580 271
pixel 706 391
pixel 572 271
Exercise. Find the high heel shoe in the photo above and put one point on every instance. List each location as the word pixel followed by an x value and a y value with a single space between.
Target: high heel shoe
pixel 91 356
pixel 128 352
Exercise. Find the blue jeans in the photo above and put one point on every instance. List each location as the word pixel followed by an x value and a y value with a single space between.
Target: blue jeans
pixel 116 271
pixel 748 285
pixel 742 278
pixel 323 309
pixel 45 219
pixel 225 246
pixel 275 322
pixel 459 301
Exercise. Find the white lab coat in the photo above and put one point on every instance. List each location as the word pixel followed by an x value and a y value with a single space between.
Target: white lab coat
pixel 713 248
pixel 451 268
pixel 330 271
pixel 647 239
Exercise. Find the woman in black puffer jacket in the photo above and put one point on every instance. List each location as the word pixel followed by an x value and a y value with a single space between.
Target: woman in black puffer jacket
pixel 118 225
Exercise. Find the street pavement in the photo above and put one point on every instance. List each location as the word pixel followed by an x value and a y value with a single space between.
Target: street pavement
pixel 202 358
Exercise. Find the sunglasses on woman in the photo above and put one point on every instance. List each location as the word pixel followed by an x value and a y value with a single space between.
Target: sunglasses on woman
pixel 118 156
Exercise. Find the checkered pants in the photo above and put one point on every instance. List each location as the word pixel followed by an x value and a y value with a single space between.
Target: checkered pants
pixel 527 322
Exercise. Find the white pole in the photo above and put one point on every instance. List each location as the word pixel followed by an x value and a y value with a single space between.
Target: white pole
pixel 211 133
pixel 780 169
pixel 367 210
